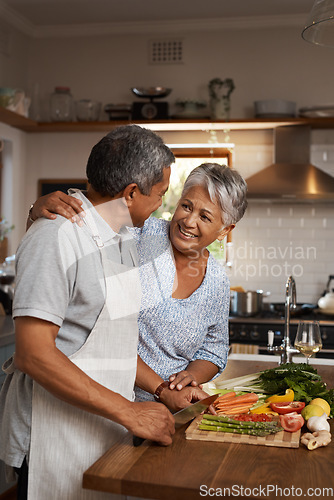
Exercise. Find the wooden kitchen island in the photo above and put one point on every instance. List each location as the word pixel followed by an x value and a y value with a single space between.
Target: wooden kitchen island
pixel 196 469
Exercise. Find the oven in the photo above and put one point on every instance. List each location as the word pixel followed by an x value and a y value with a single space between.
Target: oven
pixel 253 331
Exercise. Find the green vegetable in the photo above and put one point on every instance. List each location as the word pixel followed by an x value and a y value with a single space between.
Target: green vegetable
pixel 302 378
pixel 226 424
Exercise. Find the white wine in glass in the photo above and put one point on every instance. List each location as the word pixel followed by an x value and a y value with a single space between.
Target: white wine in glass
pixel 308 338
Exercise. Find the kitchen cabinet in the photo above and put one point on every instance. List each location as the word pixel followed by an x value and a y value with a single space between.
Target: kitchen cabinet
pixel 28 125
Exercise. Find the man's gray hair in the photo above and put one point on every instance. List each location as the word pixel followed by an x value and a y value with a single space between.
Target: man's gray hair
pixel 128 154
pixel 225 186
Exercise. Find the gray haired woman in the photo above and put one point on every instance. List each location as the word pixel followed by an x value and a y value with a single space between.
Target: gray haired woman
pixel 183 321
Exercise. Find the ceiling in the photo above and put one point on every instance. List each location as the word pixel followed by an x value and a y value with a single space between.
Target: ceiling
pixel 50 13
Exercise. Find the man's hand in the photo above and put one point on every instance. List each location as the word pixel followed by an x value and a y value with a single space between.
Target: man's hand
pixel 177 400
pixel 150 420
pixel 50 205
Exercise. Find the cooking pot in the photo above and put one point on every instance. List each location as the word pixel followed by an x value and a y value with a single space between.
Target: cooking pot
pixel 326 303
pixel 246 303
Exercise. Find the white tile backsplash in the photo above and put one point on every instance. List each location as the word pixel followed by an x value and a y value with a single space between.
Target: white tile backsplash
pixel 273 241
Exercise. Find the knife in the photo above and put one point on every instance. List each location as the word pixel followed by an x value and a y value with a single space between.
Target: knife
pixel 185 415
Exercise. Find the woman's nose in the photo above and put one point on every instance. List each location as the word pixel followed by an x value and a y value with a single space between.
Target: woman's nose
pixel 190 220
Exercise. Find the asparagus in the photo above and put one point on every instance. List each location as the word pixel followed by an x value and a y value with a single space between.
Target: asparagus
pixel 226 424
pixel 252 432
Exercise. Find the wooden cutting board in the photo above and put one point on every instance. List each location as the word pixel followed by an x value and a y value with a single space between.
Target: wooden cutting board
pixel 281 439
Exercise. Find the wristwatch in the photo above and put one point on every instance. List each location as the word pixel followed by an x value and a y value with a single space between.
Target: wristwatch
pixel 159 390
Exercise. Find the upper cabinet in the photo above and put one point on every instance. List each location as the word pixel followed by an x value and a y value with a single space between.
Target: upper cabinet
pixel 28 125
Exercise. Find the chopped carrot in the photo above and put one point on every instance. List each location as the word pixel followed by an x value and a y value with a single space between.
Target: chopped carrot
pixel 234 411
pixel 225 397
pixel 245 398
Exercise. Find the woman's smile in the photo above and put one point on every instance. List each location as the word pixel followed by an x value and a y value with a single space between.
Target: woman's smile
pixel 186 234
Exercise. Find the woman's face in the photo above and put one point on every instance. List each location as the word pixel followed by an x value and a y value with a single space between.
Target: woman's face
pixel 197 222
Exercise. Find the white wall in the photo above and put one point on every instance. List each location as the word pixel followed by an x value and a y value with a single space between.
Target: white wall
pixel 264 63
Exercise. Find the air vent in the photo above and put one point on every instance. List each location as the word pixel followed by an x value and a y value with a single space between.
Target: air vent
pixel 166 51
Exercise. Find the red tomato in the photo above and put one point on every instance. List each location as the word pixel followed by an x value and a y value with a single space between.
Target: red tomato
pixel 283 408
pixel 291 422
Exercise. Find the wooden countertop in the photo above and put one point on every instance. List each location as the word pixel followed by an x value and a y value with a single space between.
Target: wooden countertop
pixel 187 469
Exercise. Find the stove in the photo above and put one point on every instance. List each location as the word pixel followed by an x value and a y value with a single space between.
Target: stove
pixel 253 330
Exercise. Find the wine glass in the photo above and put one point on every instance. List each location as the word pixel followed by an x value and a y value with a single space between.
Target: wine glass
pixel 308 338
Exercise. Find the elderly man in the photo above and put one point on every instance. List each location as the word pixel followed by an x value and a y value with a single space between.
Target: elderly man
pixel 68 395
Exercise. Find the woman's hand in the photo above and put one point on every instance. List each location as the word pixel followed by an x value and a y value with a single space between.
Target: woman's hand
pixel 50 205
pixel 177 400
pixel 182 379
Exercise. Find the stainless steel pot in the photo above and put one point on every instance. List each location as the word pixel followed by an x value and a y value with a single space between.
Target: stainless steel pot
pixel 246 303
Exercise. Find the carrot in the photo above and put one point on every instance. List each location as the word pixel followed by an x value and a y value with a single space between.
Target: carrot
pixel 225 397
pixel 245 398
pixel 234 407
pixel 234 411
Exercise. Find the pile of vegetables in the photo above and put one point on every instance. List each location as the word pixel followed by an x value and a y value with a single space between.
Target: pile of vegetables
pixel 301 378
pixel 232 404
pixel 226 424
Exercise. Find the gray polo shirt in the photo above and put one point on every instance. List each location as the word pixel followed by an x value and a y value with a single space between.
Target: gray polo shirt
pixel 59 279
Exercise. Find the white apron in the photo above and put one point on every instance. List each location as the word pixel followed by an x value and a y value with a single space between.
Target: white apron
pixel 65 440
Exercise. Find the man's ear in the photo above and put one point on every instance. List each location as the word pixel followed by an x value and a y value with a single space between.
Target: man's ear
pixel 225 231
pixel 130 193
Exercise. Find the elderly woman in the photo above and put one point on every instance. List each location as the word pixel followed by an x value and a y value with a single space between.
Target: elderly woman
pixel 183 322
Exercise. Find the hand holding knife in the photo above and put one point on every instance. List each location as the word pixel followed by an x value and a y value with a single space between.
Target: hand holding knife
pixel 185 415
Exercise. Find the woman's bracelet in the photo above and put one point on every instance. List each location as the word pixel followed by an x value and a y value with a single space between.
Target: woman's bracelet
pixel 159 390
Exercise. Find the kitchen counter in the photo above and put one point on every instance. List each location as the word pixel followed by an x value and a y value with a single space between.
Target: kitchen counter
pixel 7 335
pixel 316 362
pixel 187 469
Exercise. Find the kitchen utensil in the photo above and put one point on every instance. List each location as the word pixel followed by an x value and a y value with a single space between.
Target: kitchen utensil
pixel 61 105
pixel 326 303
pixel 151 92
pixel 281 439
pixel 150 110
pixel 185 415
pixel 298 311
pixel 118 111
pixel 271 108
pixel 87 110
pixel 15 100
pixel 317 111
pixel 247 303
pixel 308 339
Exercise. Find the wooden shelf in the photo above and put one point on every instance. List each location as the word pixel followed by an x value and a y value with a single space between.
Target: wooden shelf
pixel 172 125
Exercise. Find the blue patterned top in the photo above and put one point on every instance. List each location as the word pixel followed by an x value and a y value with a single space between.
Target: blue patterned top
pixel 174 332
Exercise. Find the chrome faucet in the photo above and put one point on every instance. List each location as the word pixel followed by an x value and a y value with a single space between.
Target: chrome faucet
pixel 285 350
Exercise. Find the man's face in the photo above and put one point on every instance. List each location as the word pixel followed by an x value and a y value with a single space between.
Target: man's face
pixel 144 205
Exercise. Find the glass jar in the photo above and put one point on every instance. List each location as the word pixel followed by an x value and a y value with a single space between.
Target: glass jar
pixel 61 105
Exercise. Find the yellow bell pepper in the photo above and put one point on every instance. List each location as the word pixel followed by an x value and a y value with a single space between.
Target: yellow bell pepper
pixel 265 408
pixel 286 398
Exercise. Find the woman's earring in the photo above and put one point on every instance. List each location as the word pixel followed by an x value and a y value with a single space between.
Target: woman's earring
pixel 222 245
